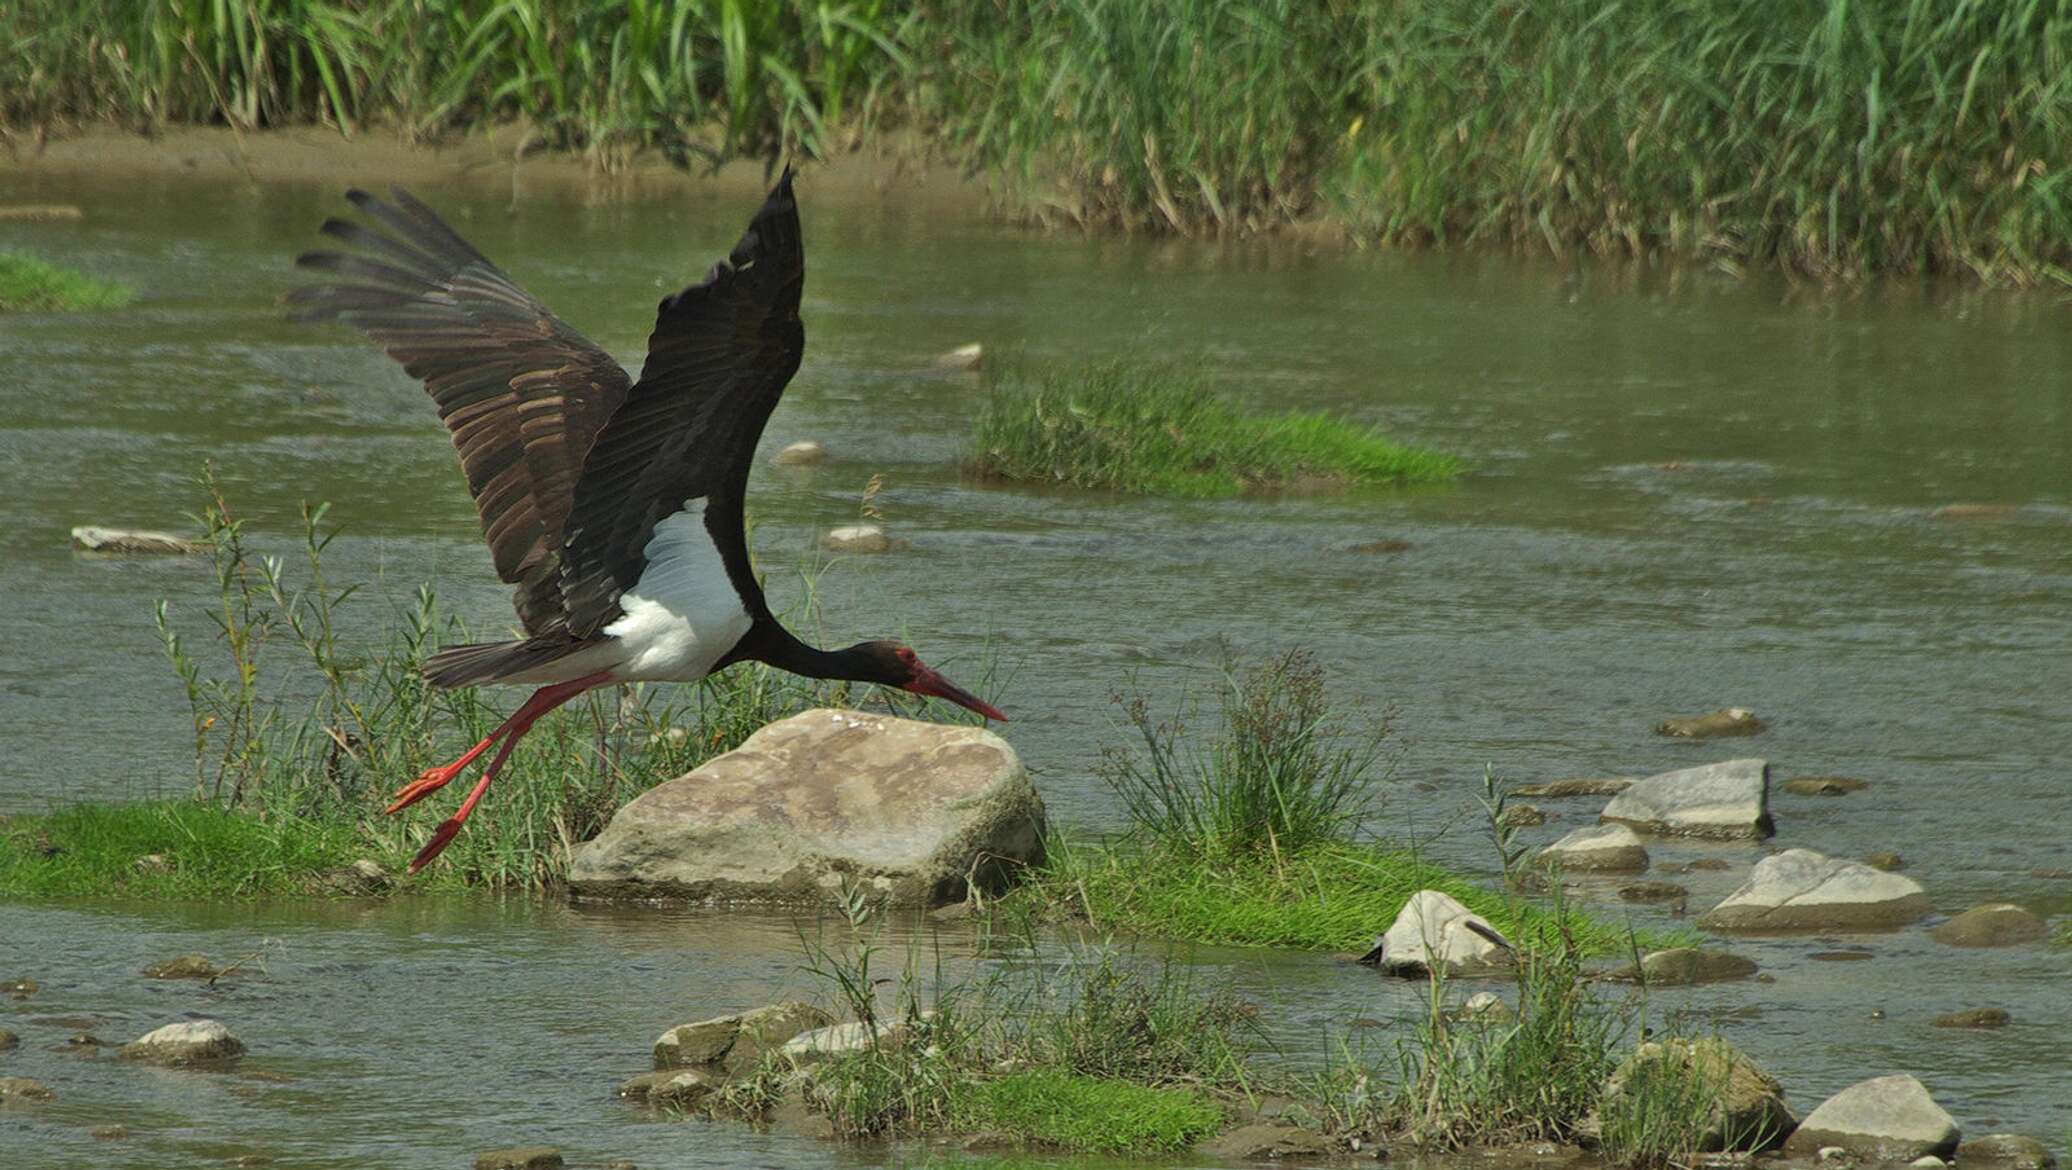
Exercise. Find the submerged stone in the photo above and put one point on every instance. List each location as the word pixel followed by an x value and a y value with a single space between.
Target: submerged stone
pixel 1679 966
pixel 800 454
pixel 1580 786
pixel 2006 1151
pixel 184 967
pixel 24 1089
pixel 1721 723
pixel 1996 924
pixel 1824 785
pixel 856 538
pixel 1974 1018
pixel 520 1158
pixel 909 812
pixel 1266 1141
pixel 964 357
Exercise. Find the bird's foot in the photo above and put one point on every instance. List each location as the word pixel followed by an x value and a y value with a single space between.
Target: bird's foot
pixel 441 837
pixel 428 781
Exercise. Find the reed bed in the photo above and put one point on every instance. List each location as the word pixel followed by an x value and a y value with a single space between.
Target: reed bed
pixel 1831 137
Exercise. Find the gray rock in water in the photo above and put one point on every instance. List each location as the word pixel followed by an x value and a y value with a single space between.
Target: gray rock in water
pixel 1523 816
pixel 184 1043
pixel 1823 785
pixel 2006 1151
pixel 1886 860
pixel 1680 966
pixel 19 988
pixel 184 967
pixel 839 1040
pixel 1598 849
pixel 800 454
pixel 1890 1119
pixel 520 1158
pixel 1729 800
pixel 1974 1018
pixel 908 811
pixel 736 1042
pixel 1581 786
pixel 856 538
pixel 1653 892
pixel 1748 1113
pixel 1799 889
pixel 1996 924
pixel 681 1087
pixel 133 542
pixel 1719 724
pixel 1434 929
pixel 24 1089
pixel 9 1041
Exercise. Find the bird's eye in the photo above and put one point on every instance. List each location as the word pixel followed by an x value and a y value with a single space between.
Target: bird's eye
pixel 908 656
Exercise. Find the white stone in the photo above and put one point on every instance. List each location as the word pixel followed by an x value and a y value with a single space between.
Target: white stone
pixel 187 1042
pixel 908 810
pixel 800 454
pixel 1604 848
pixel 856 538
pixel 1435 929
pixel 90 538
pixel 1889 1119
pixel 1799 889
pixel 1728 800
pixel 964 357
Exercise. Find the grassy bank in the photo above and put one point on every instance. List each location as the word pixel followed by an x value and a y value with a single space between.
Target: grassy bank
pixel 1825 137
pixel 29 285
pixel 1160 430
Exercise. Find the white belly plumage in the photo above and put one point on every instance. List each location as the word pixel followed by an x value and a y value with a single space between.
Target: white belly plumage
pixel 683 614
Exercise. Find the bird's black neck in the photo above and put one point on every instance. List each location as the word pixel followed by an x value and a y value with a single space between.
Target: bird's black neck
pixel 770 643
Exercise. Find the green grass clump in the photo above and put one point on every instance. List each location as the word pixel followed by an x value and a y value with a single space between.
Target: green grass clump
pixel 29 285
pixel 1069 1112
pixel 1159 430
pixel 1333 897
pixel 206 852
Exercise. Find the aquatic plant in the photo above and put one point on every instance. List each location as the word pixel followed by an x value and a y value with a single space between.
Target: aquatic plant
pixel 1160 430
pixel 30 285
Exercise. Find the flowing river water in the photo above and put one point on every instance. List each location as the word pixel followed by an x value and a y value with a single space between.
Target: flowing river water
pixel 1689 491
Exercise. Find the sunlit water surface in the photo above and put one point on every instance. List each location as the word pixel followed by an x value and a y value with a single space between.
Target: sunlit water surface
pixel 1688 492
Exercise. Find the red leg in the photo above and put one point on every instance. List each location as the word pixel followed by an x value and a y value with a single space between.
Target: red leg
pixel 510 731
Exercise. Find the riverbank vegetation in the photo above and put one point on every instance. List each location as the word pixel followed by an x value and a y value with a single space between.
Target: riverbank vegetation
pixel 29 285
pixel 1829 138
pixel 1249 833
pixel 1160 430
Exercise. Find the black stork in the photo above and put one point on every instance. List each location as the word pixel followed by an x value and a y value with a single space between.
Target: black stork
pixel 613 505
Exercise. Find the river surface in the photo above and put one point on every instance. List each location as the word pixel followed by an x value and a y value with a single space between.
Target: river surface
pixel 1689 491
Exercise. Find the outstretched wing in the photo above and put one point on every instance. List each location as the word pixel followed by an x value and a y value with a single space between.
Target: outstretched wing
pixel 718 361
pixel 523 394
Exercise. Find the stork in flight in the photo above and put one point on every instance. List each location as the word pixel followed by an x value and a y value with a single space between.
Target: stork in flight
pixel 613 505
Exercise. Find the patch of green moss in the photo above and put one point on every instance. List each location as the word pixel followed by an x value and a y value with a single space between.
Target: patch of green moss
pixel 1071 1112
pixel 30 285
pixel 1159 430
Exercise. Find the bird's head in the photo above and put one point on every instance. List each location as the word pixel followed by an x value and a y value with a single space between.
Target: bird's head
pixel 898 666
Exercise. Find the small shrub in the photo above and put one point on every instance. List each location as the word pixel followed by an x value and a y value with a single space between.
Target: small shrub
pixel 1158 430
pixel 1669 1105
pixel 29 285
pixel 1278 777
pixel 1533 1079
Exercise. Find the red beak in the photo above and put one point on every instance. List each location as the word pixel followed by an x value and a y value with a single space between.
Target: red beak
pixel 927 682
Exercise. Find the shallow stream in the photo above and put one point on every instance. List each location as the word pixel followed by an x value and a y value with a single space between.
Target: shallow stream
pixel 1690 491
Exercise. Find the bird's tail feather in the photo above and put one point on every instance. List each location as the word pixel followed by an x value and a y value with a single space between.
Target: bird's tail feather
pixel 489 662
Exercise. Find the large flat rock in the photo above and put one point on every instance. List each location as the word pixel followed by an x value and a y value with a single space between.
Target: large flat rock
pixel 1729 800
pixel 1799 889
pixel 912 812
pixel 1886 1119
